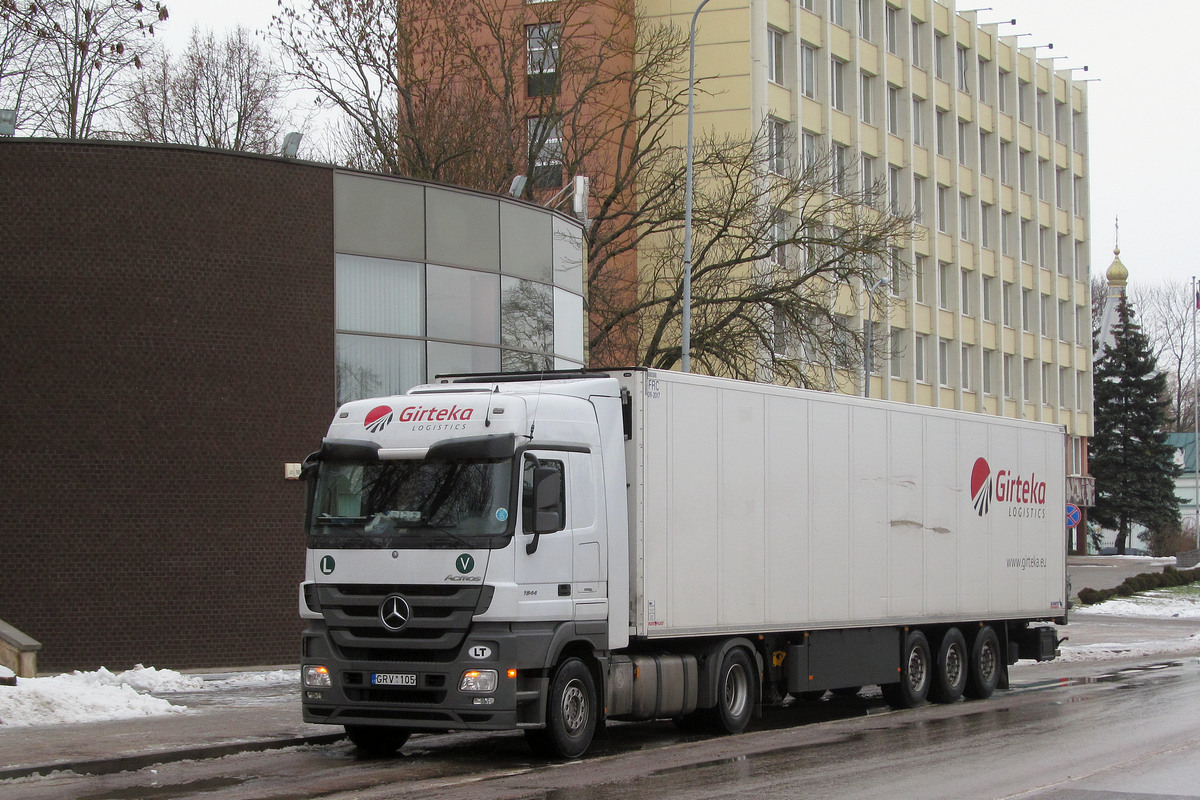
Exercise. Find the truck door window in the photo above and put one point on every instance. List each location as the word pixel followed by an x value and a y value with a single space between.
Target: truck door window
pixel 529 503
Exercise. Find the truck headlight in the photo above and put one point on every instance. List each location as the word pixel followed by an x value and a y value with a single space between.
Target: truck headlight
pixel 317 677
pixel 478 680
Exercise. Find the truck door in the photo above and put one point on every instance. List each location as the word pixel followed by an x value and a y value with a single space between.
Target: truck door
pixel 588 533
pixel 545 562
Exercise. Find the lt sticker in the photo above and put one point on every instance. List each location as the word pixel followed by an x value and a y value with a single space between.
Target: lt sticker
pixel 327 565
pixel 464 563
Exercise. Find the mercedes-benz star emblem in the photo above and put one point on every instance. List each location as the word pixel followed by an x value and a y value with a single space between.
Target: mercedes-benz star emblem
pixel 394 612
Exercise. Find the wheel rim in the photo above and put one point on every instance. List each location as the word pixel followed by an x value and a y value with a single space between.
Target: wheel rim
pixel 574 707
pixel 918 669
pixel 954 665
pixel 737 690
pixel 987 661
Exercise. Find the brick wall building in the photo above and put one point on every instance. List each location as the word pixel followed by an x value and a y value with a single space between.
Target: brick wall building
pixel 170 342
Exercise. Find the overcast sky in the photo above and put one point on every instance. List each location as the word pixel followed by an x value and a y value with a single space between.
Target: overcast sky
pixel 1143 118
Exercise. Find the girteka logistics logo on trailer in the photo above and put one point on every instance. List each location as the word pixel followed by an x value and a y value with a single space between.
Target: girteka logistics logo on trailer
pixel 378 418
pixel 429 418
pixel 1022 496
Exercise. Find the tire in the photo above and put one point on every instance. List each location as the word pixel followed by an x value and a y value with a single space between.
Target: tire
pixel 986 665
pixel 571 713
pixel 950 669
pixel 915 669
pixel 377 740
pixel 737 688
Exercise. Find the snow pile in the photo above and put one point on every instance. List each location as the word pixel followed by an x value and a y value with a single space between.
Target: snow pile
pixel 244 680
pixel 1103 651
pixel 5 672
pixel 1156 604
pixel 91 696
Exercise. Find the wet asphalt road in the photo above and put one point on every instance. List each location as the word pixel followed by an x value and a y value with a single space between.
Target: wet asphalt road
pixel 1124 732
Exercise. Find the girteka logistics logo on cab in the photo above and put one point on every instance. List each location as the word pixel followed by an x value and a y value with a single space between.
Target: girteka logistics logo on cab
pixel 452 418
pixel 1024 497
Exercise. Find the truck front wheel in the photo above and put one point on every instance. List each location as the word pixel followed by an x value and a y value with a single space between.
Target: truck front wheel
pixel 913 687
pixel 378 740
pixel 570 713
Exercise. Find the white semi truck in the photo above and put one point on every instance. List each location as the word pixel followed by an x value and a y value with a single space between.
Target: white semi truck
pixel 546 552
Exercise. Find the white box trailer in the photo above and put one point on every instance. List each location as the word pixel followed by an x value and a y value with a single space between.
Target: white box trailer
pixel 541 551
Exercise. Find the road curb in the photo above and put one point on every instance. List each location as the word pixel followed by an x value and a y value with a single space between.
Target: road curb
pixel 128 763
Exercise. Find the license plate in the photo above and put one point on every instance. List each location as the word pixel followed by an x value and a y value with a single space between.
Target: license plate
pixel 393 679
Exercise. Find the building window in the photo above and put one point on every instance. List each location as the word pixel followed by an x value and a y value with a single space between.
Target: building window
pixel 983 81
pixel 1023 158
pixel 839 168
pixel 918 116
pixel 919 347
pixel 1077 196
pixel 864 19
pixel 966 293
pixel 989 299
pixel 963 70
pixel 964 217
pixel 1043 179
pixel 891 22
pixel 1027 379
pixel 809 5
pixel 1044 247
pixel 1041 111
pixel 918 49
pixel 837 14
pixel 945 286
pixel 546 153
pixel 941 119
pixel 868 174
pixel 808 71
pixel 1023 89
pixel 1005 157
pixel 893 110
pixel 943 209
pixel 837 83
pixel 989 371
pixel 919 277
pixel 1046 315
pixel 1010 387
pixel 985 152
pixel 1047 385
pixel 1027 310
pixel 1064 321
pixel 944 362
pixel 808 151
pixel 777 130
pixel 985 225
pixel 1061 122
pixel 965 367
pixel 775 58
pixel 895 351
pixel 1004 81
pixel 918 198
pixel 939 55
pixel 894 189
pixel 1009 292
pixel 1063 255
pixel 541 49
pixel 866 107
pixel 963 128
pixel 1006 233
pixel 1064 387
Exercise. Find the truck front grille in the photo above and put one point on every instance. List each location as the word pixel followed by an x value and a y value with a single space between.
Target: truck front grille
pixel 441 616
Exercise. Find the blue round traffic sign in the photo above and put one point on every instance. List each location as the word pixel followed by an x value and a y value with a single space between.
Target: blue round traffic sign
pixel 1074 515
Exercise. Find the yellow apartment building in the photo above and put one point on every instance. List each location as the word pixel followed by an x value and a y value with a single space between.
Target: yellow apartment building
pixel 989 307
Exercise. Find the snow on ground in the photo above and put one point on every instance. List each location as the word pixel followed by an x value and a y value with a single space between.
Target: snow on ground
pixel 104 695
pixel 1161 604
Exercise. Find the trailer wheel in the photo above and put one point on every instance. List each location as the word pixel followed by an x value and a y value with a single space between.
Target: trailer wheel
pixel 953 665
pixel 570 713
pixel 986 665
pixel 737 685
pixel 377 740
pixel 913 687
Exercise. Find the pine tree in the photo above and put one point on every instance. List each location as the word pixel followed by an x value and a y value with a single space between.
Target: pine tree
pixel 1134 467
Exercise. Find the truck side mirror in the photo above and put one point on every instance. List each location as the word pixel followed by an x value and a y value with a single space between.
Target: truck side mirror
pixel 546 504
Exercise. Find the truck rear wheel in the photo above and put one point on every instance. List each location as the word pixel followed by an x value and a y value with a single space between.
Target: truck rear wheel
pixel 913 687
pixel 378 740
pixel 986 666
pixel 737 685
pixel 570 713
pixel 950 674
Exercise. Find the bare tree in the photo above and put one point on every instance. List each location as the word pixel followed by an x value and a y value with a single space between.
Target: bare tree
pixel 82 49
pixel 477 91
pixel 224 93
pixel 1167 315
pixel 19 50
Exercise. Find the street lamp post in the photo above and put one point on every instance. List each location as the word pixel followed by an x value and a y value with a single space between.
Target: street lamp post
pixel 685 361
pixel 868 326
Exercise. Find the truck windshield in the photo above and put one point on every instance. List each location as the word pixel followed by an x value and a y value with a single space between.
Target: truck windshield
pixel 411 503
